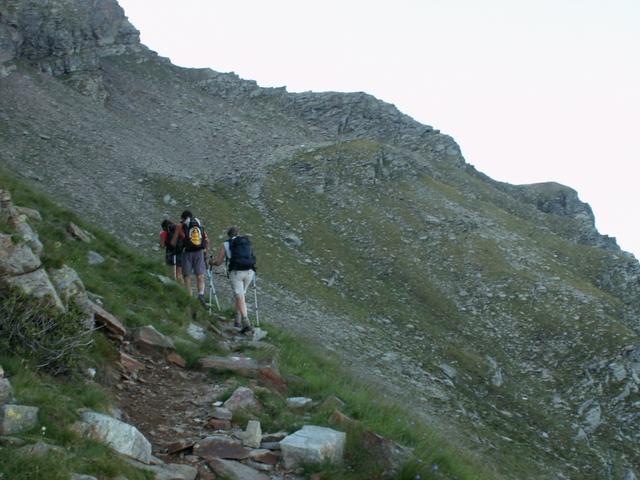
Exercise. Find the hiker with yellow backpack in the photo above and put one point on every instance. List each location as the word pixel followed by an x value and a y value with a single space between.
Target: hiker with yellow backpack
pixel 191 232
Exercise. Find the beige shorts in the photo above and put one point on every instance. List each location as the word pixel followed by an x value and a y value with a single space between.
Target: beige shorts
pixel 240 280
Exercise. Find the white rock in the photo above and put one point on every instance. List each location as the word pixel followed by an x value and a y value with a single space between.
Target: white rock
pixel 196 332
pixel 298 402
pixel 122 437
pixel 252 436
pixel 313 444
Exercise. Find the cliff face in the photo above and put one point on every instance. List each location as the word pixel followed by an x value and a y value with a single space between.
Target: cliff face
pixel 497 308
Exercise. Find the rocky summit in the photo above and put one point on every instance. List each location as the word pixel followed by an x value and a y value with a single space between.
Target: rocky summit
pixel 497 312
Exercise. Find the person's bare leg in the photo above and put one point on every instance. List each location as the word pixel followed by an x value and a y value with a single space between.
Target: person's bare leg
pixel 200 284
pixel 187 284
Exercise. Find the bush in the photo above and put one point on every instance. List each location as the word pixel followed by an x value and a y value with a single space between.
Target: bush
pixel 32 329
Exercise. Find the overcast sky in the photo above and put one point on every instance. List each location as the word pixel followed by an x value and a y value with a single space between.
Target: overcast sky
pixel 532 90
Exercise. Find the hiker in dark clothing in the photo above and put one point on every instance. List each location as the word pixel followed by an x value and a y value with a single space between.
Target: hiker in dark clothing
pixel 238 254
pixel 191 232
pixel 173 255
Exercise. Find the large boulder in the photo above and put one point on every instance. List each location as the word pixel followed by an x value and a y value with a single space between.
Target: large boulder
pixel 35 284
pixel 16 258
pixel 122 437
pixel 17 418
pixel 69 286
pixel 313 444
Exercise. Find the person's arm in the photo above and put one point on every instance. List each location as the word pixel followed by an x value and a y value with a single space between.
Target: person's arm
pixel 176 234
pixel 163 238
pixel 220 257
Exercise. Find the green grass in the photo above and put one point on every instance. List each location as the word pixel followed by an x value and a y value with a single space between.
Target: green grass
pixel 125 275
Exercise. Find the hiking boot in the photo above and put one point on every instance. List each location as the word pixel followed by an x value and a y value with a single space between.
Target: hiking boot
pixel 237 325
pixel 246 326
pixel 202 300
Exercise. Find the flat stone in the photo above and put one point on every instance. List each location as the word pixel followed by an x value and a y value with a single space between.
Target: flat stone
pixel 147 338
pixel 94 258
pixel 274 437
pixel 130 364
pixel 243 399
pixel 244 366
pixel 17 418
pixel 29 212
pixel 41 449
pixel 176 360
pixel 235 470
pixel 387 453
pixel 274 446
pixel 220 446
pixel 218 424
pixel 78 233
pixel 222 413
pixel 299 403
pixel 313 444
pixel 271 378
pixel 122 437
pixel 168 471
pixel 110 323
pixel 263 455
pixel 6 391
pixel 340 419
pixel 179 446
pixel 332 403
pixel 12 442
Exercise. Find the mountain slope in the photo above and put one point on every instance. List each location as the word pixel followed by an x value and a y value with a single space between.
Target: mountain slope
pixel 497 310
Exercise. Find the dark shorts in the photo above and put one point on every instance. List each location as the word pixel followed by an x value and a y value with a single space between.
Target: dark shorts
pixel 173 259
pixel 193 263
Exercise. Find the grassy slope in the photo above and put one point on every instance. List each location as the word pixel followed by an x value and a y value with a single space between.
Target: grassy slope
pixel 128 290
pixel 529 292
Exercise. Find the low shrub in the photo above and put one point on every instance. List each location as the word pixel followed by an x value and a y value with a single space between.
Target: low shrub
pixel 35 330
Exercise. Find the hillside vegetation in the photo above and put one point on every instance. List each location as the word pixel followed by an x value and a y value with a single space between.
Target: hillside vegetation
pixel 129 285
pixel 495 313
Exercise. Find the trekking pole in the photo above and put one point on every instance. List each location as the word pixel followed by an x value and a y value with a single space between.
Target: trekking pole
pixel 175 268
pixel 255 296
pixel 212 289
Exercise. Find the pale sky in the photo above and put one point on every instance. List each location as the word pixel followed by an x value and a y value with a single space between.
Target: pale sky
pixel 532 90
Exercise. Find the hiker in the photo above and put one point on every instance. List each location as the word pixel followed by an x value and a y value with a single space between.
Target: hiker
pixel 241 267
pixel 191 232
pixel 173 255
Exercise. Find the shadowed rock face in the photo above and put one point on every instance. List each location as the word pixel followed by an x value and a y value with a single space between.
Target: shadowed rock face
pixel 63 36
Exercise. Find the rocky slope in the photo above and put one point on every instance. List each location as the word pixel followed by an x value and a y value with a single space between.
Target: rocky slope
pixel 498 310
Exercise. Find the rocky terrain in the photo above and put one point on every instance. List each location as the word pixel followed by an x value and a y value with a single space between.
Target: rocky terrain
pixel 498 311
